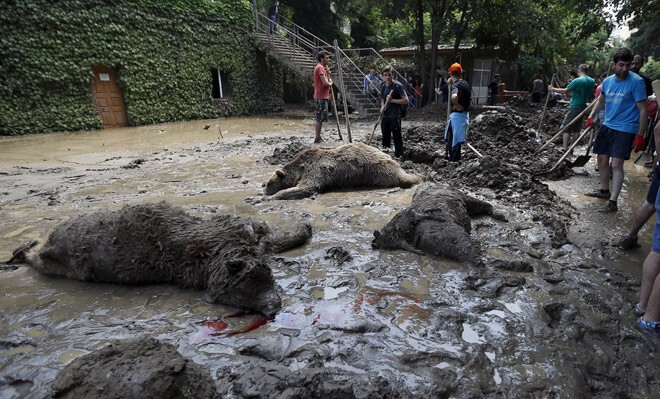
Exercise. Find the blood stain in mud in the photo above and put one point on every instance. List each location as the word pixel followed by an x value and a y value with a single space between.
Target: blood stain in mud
pixel 218 328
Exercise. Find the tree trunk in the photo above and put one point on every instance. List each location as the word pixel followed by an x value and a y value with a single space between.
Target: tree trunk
pixel 438 10
pixel 422 44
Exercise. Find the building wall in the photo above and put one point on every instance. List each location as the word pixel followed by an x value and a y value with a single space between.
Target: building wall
pixel 163 51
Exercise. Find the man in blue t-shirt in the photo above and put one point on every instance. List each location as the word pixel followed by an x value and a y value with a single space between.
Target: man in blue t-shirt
pixel 624 97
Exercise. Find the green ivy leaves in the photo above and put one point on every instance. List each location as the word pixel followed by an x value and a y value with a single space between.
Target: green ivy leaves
pixel 163 50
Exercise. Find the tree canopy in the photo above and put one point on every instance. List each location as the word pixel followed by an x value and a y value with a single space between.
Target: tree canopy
pixel 538 35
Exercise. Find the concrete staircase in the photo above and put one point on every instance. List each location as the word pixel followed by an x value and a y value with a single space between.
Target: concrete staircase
pixel 297 48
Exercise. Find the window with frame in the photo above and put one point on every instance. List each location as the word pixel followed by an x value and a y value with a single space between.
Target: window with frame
pixel 221 85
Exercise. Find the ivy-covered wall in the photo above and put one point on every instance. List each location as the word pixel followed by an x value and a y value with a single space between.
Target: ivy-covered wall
pixel 164 51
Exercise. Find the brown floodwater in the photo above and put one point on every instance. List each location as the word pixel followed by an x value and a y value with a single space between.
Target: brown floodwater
pixel 46 322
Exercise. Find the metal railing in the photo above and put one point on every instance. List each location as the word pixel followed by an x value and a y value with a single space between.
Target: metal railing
pixel 305 44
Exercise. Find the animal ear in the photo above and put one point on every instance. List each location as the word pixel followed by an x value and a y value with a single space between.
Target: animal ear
pixel 279 173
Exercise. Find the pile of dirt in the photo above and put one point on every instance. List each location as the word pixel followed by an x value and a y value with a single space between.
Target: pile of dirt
pixel 138 368
pixel 508 168
pixel 286 154
pixel 431 112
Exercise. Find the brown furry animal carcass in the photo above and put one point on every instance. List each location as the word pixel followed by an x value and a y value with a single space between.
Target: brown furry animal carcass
pixel 436 223
pixel 318 170
pixel 159 243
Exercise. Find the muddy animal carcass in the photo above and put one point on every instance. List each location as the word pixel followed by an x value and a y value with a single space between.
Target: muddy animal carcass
pixel 158 243
pixel 318 170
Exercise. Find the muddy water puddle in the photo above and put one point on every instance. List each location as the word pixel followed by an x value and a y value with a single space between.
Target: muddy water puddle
pixel 360 310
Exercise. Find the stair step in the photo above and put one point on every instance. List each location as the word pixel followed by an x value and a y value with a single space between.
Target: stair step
pixel 303 62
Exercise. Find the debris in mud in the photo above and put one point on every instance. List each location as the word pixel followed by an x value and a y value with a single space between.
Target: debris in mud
pixel 286 154
pixel 437 223
pixel 137 368
pixel 134 164
pixel 159 243
pixel 340 254
pixel 319 170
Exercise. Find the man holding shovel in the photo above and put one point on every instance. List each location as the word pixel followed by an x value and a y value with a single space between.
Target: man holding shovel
pixel 393 97
pixel 457 125
pixel 580 89
pixel 625 123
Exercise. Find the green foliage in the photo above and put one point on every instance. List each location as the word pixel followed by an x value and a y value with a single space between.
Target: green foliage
pixel 646 39
pixel 529 66
pixel 164 51
pixel 651 68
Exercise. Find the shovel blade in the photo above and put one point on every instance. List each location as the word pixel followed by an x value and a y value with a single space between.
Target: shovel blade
pixel 643 158
pixel 581 161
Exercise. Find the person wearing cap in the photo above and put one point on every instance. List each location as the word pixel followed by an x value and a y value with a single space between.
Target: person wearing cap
pixel 457 126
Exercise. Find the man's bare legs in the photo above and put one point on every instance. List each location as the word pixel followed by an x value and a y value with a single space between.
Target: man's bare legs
pixel 604 171
pixel 648 299
pixel 317 126
pixel 617 178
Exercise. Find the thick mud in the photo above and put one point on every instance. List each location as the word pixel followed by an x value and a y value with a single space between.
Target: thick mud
pixel 544 313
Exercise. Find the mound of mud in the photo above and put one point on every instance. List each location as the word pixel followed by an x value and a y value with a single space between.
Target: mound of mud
pixel 508 167
pixel 138 368
pixel 430 112
pixel 159 243
pixel 275 381
pixel 286 154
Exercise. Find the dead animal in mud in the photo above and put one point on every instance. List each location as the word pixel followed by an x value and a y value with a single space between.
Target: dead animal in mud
pixel 159 243
pixel 319 170
pixel 136 368
pixel 436 223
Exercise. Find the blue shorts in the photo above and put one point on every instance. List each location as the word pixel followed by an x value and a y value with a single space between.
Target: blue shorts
pixel 613 143
pixel 321 110
pixel 655 245
pixel 655 184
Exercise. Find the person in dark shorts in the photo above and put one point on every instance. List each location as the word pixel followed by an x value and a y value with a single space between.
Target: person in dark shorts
pixel 624 95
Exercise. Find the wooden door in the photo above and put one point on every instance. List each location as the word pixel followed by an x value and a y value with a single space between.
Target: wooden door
pixel 108 98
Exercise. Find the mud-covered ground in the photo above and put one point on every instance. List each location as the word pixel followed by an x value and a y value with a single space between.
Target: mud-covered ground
pixel 356 321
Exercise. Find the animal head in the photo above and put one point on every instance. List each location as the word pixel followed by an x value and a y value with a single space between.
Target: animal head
pixel 245 284
pixel 278 182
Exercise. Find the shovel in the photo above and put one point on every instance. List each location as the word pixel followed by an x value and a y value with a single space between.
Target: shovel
pixel 334 111
pixel 553 82
pixel 645 156
pixel 584 132
pixel 583 159
pixel 380 116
